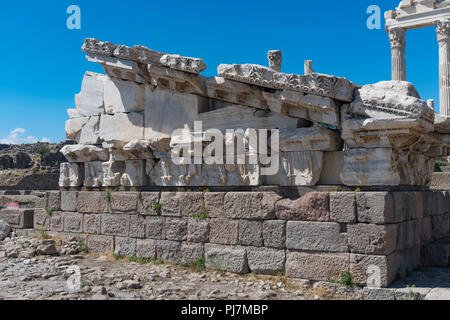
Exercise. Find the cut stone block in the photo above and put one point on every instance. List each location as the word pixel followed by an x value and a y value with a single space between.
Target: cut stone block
pixel 116 224
pixel 314 206
pixel 274 234
pixel 84 153
pixel 331 174
pixel 147 203
pixel 92 223
pixel 122 202
pixel 191 252
pixel 315 236
pixel 18 218
pixel 125 247
pixel 74 126
pixel 198 230
pixel 161 106
pixel 376 207
pixel 168 251
pixel 314 266
pixel 90 132
pixel 135 174
pixel 374 271
pixel 146 249
pixel 226 258
pixel 372 239
pixel 92 202
pixel 250 233
pixel 186 64
pixel 100 244
pixel 73 222
pixel 89 101
pixel 112 173
pixel 298 169
pixel 71 174
pixel 266 260
pixel 69 201
pixel 176 229
pixel 137 226
pixel 93 174
pixel 250 205
pixel 214 202
pixel 155 228
pixel 342 207
pixel 170 204
pixel 309 139
pixel 224 231
pixel 123 96
pixel 121 128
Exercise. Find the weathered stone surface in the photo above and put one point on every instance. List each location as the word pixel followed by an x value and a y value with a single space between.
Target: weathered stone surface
pixel 314 206
pixel 339 88
pixel 41 219
pixel 191 204
pixel 198 230
pixel 309 139
pixel 226 258
pixel 331 174
pixel 112 173
pixel 137 226
pixel 69 201
pixel 147 203
pixel 191 252
pixel 250 233
pixel 372 239
pixel 84 153
pixel 250 205
pixel 266 260
pixel 155 228
pixel 73 222
pixel 134 175
pixel 146 249
pixel 214 202
pixel 124 202
pixel 175 61
pixel 57 222
pixel 176 229
pixel 53 200
pixel 121 128
pixel 376 207
pixel 342 207
pixel 71 174
pixel 168 251
pixel 170 203
pixel 305 265
pixel 90 100
pixel 125 247
pixel 116 224
pixel 93 174
pixel 100 244
pixel 18 218
pixel 92 202
pixel 274 234
pixel 92 223
pixel 5 229
pixel 138 149
pixel 123 96
pixel 161 106
pixel 90 133
pixel 224 231
pixel 315 236
pixel 426 229
pixel 298 169
pixel 364 269
pixel 406 233
pixel 74 127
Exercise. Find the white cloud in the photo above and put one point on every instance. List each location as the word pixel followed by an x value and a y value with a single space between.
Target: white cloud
pixel 17 136
pixel 46 140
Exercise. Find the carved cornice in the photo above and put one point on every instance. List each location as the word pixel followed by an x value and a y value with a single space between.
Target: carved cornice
pixel 397 37
pixel 442 30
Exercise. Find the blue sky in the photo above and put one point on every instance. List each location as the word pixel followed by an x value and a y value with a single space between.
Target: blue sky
pixel 42 64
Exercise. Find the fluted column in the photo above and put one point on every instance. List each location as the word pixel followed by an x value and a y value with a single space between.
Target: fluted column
pixel 398 44
pixel 442 29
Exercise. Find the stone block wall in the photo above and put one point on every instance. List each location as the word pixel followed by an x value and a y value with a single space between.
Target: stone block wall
pixel 318 236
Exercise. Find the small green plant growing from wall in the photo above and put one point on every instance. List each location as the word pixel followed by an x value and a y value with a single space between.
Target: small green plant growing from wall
pixel 158 208
pixel 337 189
pixel 202 215
pixel 347 279
pixel 83 246
pixel 157 262
pixel 49 211
pixel 42 232
pixel 197 265
pixel 108 196
pixel 139 260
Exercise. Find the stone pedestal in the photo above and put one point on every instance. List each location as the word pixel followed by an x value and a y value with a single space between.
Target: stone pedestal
pixel 397 39
pixel 444 70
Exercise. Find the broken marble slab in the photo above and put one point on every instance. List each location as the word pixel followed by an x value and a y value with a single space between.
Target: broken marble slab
pixel 120 69
pixel 121 128
pixel 235 92
pixel 298 169
pixel 135 174
pixel 385 167
pixel 304 106
pixel 112 173
pixel 234 116
pixel 186 64
pixel 318 84
pixel 71 174
pixel 89 101
pixel 166 111
pixel 74 126
pixel 441 123
pixel 93 174
pixel 123 96
pixel 73 113
pixel 166 173
pixel 309 139
pixel 84 130
pixel 84 153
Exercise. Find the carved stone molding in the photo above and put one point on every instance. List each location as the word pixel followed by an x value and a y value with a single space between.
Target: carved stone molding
pixel 442 30
pixel 397 37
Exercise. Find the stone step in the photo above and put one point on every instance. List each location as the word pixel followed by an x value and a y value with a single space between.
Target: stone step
pixel 18 218
pixel 436 254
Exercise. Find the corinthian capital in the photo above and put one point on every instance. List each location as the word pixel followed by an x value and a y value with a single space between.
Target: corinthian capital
pixel 397 37
pixel 442 30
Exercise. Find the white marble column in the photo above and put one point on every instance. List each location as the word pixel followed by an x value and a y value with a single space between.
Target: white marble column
pixel 442 29
pixel 398 44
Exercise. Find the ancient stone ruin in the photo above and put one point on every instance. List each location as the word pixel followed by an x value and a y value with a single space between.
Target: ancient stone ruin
pixel 330 131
